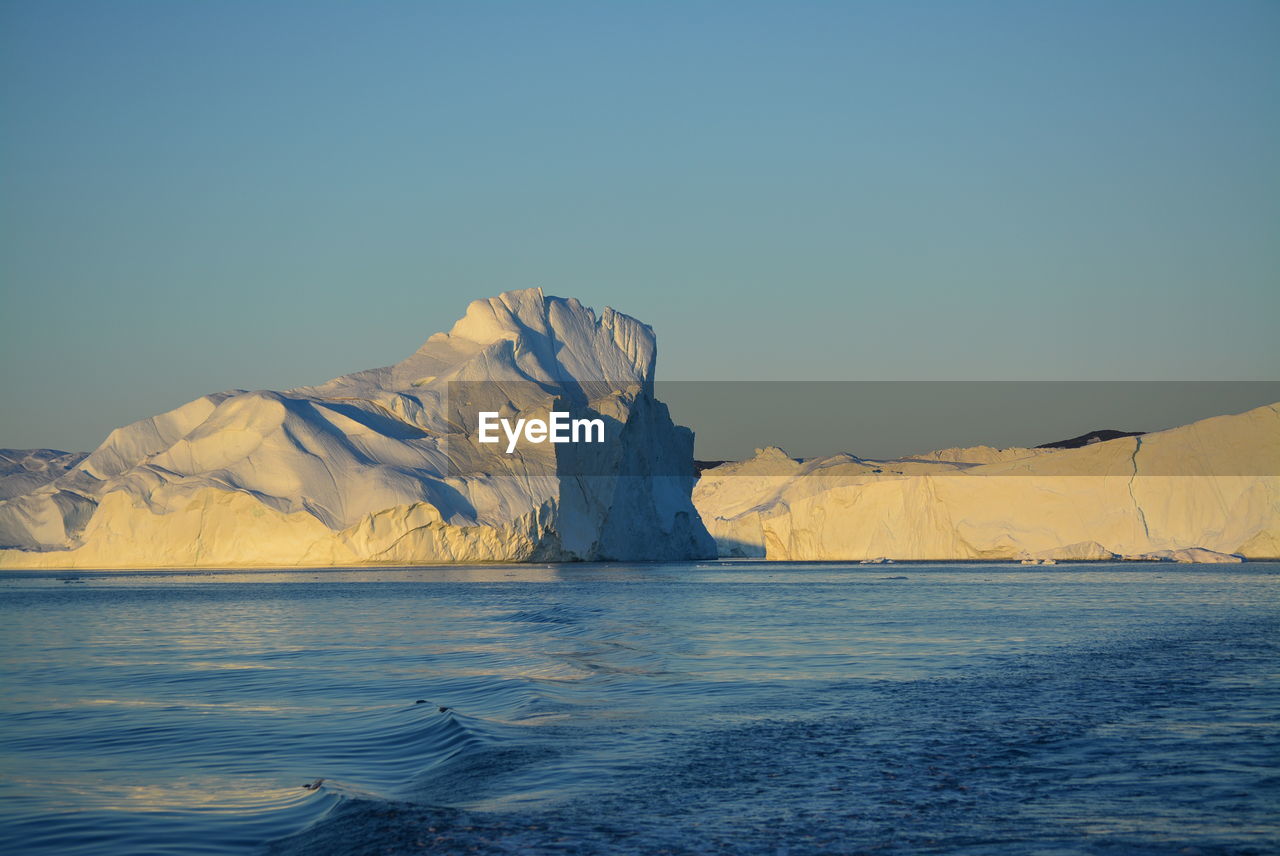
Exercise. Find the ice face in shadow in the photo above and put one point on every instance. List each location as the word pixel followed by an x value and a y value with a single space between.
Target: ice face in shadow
pixel 24 470
pixel 1208 491
pixel 384 465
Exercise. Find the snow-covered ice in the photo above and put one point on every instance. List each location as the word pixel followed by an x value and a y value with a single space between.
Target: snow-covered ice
pixel 383 465
pixel 1208 491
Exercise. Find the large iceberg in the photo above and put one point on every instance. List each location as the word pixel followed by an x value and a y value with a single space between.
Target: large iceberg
pixel 1204 489
pixel 384 466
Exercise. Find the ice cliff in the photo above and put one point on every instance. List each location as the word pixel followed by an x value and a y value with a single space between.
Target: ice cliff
pixel 383 465
pixel 1213 485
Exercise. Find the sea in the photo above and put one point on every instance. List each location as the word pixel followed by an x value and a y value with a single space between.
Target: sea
pixel 728 707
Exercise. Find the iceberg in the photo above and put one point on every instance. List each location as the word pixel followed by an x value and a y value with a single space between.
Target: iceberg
pixel 384 465
pixel 1207 491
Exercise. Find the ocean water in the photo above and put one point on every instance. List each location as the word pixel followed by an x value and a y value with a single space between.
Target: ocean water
pixel 733 707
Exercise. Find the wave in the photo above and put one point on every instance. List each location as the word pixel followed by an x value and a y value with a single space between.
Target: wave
pixel 225 803
pixel 1113 747
pixel 726 714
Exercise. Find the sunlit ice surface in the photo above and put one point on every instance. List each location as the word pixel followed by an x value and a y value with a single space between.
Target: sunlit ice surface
pixel 698 707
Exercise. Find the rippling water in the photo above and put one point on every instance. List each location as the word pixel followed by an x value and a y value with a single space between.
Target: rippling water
pixel 681 708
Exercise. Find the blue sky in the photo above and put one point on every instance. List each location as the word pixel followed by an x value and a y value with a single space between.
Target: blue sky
pixel 208 195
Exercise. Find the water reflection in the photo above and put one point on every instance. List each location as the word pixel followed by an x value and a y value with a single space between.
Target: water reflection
pixel 531 688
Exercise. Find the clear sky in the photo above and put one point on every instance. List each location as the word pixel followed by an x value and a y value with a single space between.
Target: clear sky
pixel 198 196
